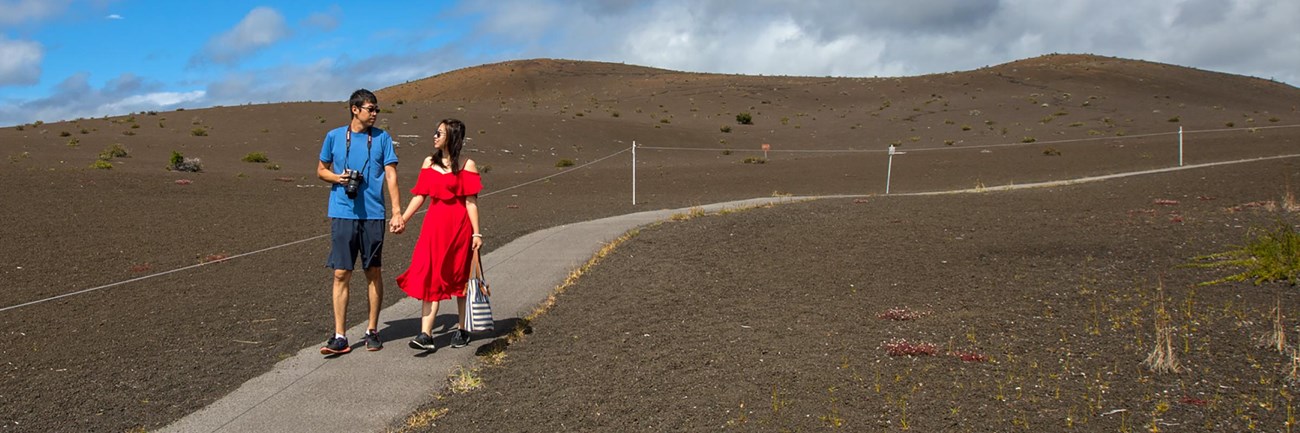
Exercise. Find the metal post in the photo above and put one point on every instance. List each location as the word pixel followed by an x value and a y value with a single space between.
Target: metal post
pixel 890 170
pixel 633 172
pixel 1180 146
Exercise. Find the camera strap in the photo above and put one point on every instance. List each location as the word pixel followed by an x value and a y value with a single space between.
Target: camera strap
pixel 347 148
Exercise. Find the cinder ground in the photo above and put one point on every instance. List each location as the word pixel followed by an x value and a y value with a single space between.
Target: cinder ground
pixel 143 354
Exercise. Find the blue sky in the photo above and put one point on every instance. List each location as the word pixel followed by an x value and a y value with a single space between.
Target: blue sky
pixel 63 59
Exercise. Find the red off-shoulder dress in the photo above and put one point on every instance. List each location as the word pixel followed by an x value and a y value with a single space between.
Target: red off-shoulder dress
pixel 440 263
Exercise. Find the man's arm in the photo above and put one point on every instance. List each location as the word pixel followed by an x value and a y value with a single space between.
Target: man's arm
pixel 325 171
pixel 396 225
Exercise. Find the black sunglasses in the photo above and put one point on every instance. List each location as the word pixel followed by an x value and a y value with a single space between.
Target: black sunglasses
pixel 437 134
pixel 372 109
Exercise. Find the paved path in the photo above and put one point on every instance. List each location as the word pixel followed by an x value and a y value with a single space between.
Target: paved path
pixel 367 391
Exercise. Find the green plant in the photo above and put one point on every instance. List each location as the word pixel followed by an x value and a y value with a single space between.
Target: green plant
pixel 19 127
pixel 1028 140
pixel 74 142
pixel 258 157
pixel 64 133
pixel 1051 151
pixel 725 129
pixel 179 162
pixel 273 166
pixel 101 165
pixel 114 150
pixel 1267 256
pixel 564 163
pixel 1174 119
pixel 744 119
pixel 199 132
pixel 754 160
pixel 664 120
pixel 965 127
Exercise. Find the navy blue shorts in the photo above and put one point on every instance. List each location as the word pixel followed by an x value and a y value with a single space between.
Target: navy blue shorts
pixel 351 238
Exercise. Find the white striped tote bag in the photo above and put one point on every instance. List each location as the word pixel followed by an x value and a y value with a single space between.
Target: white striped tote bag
pixel 478 310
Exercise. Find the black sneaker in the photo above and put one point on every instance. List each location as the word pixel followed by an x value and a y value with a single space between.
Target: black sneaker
pixel 372 341
pixel 460 339
pixel 336 346
pixel 424 341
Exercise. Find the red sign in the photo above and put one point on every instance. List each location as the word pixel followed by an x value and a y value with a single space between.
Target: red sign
pixel 767 147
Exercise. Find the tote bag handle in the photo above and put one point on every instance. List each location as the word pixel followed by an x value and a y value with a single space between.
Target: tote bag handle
pixel 476 271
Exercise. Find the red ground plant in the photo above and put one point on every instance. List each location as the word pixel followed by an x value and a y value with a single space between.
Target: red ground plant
pixel 1166 202
pixel 1194 401
pixel 897 313
pixel 215 257
pixel 183 181
pixel 139 268
pixel 969 356
pixel 902 347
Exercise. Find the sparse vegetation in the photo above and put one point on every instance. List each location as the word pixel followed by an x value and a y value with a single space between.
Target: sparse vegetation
pixel 100 164
pixel 74 142
pixel 1267 256
pixel 1174 119
pixel 114 150
pixel 199 132
pixel 564 163
pixel 179 162
pixel 725 129
pixel 744 119
pixel 1028 140
pixel 64 133
pixel 1051 151
pixel 754 160
pixel 257 157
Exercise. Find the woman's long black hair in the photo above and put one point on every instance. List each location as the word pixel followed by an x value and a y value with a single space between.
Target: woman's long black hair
pixel 455 141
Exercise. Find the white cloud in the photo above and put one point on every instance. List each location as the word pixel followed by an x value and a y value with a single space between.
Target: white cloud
pixel 262 27
pixel 327 20
pixel 114 17
pixel 26 11
pixel 74 97
pixel 887 37
pixel 20 62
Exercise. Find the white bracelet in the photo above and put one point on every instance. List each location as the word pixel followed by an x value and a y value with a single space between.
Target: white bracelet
pixel 477 235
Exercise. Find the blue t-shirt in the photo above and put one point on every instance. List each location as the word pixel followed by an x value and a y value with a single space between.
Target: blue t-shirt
pixel 369 201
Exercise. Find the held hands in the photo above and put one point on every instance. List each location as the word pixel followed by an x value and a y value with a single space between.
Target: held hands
pixel 397 224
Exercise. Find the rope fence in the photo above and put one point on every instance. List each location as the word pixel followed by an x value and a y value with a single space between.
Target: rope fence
pixel 890 151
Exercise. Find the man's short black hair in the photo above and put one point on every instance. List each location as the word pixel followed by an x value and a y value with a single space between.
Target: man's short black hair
pixel 360 98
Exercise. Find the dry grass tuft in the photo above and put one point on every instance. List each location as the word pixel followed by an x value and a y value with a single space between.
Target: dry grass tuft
pixel 423 419
pixel 1275 339
pixel 464 380
pixel 1162 359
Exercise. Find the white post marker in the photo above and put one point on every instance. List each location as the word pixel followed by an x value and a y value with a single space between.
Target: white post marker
pixel 766 147
pixel 890 170
pixel 633 172
pixel 1180 146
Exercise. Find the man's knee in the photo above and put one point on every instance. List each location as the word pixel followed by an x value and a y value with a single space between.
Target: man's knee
pixel 374 273
pixel 342 275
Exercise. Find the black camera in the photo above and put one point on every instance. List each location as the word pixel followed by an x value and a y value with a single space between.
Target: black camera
pixel 351 180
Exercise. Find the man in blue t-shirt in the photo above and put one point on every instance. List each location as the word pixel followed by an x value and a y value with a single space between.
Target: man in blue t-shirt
pixel 359 162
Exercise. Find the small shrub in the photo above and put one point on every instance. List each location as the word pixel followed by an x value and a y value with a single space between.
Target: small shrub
pixel 726 151
pixel 754 160
pixel 564 163
pixel 948 142
pixel 202 132
pixel 725 129
pixel 19 127
pixel 257 157
pixel 100 164
pixel 965 127
pixel 1274 119
pixel 128 132
pixel 85 131
pixel 1174 119
pixel 133 126
pixel 1267 256
pixel 901 314
pixel 1076 124
pixel 64 133
pixel 74 142
pixel 1028 140
pixel 664 120
pixel 484 168
pixel 1230 124
pixel 181 163
pixel 614 114
pixel 273 166
pixel 745 119
pixel 114 150
pixel 1051 151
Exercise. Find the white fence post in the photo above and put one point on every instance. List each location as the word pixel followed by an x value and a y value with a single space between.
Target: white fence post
pixel 890 170
pixel 1180 146
pixel 633 172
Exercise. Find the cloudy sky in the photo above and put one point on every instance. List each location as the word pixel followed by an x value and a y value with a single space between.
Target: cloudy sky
pixel 63 59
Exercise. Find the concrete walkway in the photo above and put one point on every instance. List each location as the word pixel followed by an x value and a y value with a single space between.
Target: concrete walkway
pixel 367 391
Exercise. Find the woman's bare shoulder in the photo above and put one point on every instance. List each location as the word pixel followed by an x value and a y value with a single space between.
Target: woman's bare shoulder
pixel 428 162
pixel 470 166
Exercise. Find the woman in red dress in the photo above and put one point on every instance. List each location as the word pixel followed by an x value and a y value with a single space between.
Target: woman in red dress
pixel 440 264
